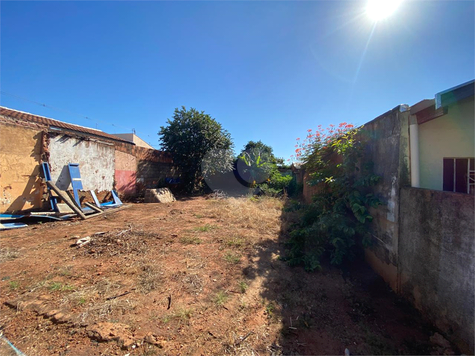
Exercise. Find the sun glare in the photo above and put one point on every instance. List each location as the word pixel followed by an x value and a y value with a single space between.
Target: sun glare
pixel 380 9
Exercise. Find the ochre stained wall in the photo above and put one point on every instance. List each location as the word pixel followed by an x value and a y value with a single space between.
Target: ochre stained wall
pixel 20 154
pixel 125 173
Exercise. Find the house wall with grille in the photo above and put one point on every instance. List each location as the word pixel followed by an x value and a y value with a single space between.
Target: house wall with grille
pixel 451 135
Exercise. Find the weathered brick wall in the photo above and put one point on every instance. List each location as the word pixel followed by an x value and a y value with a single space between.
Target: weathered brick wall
pixel 152 168
pixel 96 162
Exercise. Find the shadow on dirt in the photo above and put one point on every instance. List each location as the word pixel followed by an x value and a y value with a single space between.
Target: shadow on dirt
pixel 325 312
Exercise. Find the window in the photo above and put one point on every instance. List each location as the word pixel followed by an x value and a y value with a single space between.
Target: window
pixel 459 175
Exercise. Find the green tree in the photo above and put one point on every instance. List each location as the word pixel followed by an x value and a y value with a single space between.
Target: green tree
pixel 256 162
pixel 190 136
pixel 258 166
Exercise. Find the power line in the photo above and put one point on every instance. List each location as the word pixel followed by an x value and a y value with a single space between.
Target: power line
pixel 72 113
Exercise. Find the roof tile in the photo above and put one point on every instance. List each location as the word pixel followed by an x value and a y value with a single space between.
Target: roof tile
pixel 27 117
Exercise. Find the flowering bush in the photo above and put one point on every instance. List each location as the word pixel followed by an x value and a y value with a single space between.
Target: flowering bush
pixel 318 139
pixel 339 216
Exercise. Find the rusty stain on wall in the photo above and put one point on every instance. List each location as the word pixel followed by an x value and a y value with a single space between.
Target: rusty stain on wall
pixel 125 173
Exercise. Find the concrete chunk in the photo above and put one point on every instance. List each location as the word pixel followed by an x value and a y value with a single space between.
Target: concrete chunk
pixel 160 195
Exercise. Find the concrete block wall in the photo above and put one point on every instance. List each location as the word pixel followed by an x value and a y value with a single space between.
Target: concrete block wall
pixel 423 240
pixel 150 167
pixel 387 142
pixel 437 259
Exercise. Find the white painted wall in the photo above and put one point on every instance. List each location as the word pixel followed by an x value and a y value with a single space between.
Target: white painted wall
pixel 451 135
pixel 96 162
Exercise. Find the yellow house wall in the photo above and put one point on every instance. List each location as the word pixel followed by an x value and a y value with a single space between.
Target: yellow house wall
pixel 451 135
pixel 20 155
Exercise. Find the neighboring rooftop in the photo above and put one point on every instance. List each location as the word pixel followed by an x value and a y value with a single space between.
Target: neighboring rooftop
pixel 429 109
pixel 131 137
pixel 452 95
pixel 51 123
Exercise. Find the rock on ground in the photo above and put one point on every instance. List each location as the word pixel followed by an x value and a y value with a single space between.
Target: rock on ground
pixel 160 195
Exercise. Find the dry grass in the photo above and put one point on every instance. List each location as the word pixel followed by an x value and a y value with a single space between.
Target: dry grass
pixel 132 240
pixel 96 302
pixel 259 215
pixel 7 254
pixel 149 278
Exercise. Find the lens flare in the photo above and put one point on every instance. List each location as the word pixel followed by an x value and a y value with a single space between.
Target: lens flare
pixel 380 9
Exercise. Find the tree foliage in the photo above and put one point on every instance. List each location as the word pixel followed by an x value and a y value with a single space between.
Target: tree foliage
pixel 255 162
pixel 339 217
pixel 257 165
pixel 192 136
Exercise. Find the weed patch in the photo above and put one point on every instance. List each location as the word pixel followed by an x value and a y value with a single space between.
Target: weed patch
pixel 205 228
pixel 243 287
pixel 221 298
pixel 190 240
pixel 13 285
pixel 232 258
pixel 57 286
pixel 235 242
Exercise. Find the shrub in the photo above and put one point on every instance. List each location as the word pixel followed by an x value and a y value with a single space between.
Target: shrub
pixel 338 219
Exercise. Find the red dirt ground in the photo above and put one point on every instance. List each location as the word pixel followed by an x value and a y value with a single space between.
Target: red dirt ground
pixel 193 277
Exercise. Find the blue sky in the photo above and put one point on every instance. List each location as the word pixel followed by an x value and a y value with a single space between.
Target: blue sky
pixel 265 70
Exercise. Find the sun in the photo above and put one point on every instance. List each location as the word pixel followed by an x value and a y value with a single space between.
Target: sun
pixel 380 9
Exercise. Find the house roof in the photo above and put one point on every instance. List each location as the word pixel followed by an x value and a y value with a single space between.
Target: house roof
pixel 422 105
pixel 452 95
pixel 132 137
pixel 429 109
pixel 51 123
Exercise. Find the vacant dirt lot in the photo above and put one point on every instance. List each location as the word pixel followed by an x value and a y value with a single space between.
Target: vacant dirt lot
pixel 194 277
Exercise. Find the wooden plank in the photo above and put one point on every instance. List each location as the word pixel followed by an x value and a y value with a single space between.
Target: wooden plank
pixel 94 207
pixel 66 199
pixel 64 208
pixel 94 215
pixel 33 213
